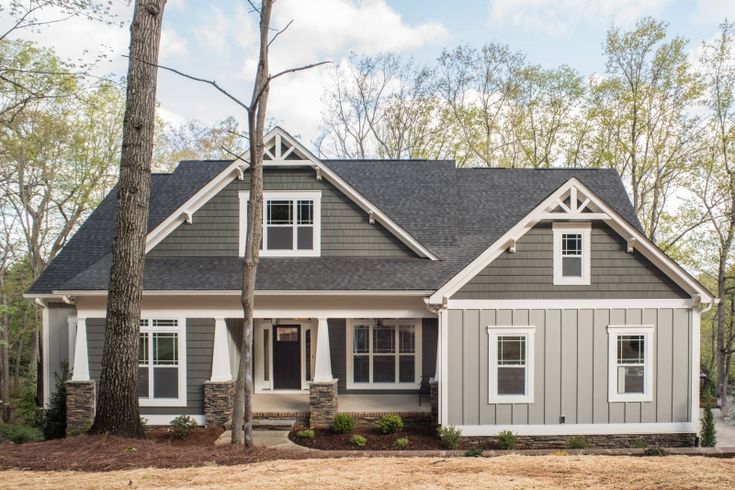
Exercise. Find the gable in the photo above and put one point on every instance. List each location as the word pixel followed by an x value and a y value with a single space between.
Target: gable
pixel 528 272
pixel 345 228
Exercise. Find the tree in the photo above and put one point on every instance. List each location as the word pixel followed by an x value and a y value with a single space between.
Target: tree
pixel 118 411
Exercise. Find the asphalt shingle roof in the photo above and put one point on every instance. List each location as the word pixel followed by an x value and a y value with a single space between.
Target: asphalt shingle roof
pixel 456 213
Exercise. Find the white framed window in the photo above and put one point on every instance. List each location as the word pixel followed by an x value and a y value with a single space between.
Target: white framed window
pixel 384 354
pixel 630 357
pixel 511 364
pixel 162 362
pixel 291 223
pixel 571 253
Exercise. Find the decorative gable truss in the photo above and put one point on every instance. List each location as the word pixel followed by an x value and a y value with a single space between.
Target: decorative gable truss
pixel 574 201
pixel 281 150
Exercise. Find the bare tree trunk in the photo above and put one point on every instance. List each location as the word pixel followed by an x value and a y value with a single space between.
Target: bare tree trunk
pixel 242 409
pixel 117 407
pixel 4 348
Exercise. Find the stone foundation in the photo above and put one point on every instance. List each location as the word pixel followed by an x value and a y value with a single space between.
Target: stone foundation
pixel 607 441
pixel 434 400
pixel 218 400
pixel 322 403
pixel 81 404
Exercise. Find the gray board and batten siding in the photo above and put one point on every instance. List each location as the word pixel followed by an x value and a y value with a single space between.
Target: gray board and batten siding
pixel 571 367
pixel 346 230
pixel 529 273
pixel 199 345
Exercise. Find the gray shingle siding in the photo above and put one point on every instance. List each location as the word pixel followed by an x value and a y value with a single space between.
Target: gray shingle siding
pixel 345 227
pixel 199 343
pixel 528 273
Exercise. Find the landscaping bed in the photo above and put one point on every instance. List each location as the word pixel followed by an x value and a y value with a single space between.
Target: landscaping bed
pixel 418 438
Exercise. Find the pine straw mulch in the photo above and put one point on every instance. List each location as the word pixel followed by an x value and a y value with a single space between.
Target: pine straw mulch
pixel 419 438
pixel 512 471
pixel 107 453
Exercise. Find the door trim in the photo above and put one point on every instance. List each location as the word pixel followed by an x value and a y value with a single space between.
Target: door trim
pixel 262 325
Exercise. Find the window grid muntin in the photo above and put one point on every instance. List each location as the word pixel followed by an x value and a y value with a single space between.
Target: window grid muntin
pixel 149 328
pixel 300 216
pixel 571 244
pixel 395 354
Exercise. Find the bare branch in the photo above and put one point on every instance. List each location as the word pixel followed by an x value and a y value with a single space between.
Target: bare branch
pixel 235 155
pixel 294 70
pixel 275 36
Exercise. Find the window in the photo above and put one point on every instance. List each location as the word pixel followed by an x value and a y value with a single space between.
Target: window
pixel 161 365
pixel 384 353
pixel 571 253
pixel 291 223
pixel 630 357
pixel 511 364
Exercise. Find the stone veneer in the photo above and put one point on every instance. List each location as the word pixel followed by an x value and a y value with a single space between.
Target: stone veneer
pixel 607 441
pixel 80 406
pixel 434 400
pixel 322 403
pixel 218 400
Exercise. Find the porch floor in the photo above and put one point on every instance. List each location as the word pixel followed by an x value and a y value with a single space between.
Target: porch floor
pixel 299 402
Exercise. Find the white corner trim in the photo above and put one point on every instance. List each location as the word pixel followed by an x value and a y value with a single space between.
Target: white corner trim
pixel 558 231
pixel 614 331
pixel 444 373
pixel 581 429
pixel 495 331
pixel 45 361
pixel 166 419
pixel 673 270
pixel 695 318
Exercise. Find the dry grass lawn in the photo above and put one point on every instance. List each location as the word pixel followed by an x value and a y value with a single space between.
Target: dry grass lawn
pixel 502 472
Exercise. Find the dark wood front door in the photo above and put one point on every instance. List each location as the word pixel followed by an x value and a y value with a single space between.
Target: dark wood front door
pixel 287 357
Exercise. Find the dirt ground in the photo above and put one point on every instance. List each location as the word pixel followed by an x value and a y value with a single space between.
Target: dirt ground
pixel 503 472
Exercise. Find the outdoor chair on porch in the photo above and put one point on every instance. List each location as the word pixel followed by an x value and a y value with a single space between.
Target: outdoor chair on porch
pixel 424 388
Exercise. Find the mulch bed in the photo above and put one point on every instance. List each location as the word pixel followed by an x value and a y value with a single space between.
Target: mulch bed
pixel 107 453
pixel 419 438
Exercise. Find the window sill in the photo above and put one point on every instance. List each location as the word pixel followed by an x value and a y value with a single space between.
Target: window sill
pixel 162 402
pixel 571 281
pixel 630 398
pixel 497 399
pixel 383 386
pixel 290 253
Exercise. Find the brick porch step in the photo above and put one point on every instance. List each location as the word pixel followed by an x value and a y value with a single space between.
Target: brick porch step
pixel 274 424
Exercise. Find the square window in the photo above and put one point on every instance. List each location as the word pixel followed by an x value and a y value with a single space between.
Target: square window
pixel 511 380
pixel 385 353
pixel 384 340
pixel 384 369
pixel 279 213
pixel 280 238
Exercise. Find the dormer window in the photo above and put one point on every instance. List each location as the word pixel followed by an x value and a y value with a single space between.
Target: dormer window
pixel 571 253
pixel 291 223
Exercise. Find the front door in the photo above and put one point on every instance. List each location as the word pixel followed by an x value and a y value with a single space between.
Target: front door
pixel 287 357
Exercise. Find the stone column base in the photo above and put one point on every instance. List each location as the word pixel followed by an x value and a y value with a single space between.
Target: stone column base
pixel 219 397
pixel 434 397
pixel 81 404
pixel 322 403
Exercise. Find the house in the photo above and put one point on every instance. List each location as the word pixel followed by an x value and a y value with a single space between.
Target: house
pixel 528 299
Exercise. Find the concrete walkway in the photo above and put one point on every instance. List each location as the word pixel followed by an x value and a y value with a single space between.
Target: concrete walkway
pixel 274 439
pixel 725 432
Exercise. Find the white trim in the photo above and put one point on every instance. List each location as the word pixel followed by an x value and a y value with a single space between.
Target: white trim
pixel 220 353
pixel 182 367
pixel 444 380
pixel 323 368
pixel 619 224
pixel 261 292
pixel 581 429
pixel 695 363
pixel 556 304
pixel 283 312
pixel 71 323
pixel 262 325
pixel 235 169
pixel 495 331
pixel 80 372
pixel 613 332
pixel 45 361
pixel 315 196
pixel 559 230
pixel 166 419
pixel 396 385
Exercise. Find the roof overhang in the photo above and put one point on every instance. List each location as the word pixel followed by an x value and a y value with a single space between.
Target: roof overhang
pixel 263 292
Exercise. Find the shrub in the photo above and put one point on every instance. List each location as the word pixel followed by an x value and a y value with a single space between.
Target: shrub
pixel 507 439
pixel 450 436
pixel 390 424
pixel 19 433
pixel 23 399
pixel 473 453
pixel 708 434
pixel 402 443
pixel 343 423
pixel 653 451
pixel 577 442
pixel 305 434
pixel 54 419
pixel 358 440
pixel 182 426
pixel 640 444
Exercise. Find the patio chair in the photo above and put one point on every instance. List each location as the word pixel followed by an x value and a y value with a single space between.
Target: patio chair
pixel 424 388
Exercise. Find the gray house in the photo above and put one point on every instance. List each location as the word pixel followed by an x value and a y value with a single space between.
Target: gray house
pixel 523 299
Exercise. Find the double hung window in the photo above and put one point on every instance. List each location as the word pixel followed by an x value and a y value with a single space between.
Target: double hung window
pixel 511 364
pixel 161 367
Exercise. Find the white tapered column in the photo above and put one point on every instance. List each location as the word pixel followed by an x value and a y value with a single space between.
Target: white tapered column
pixel 323 368
pixel 220 353
pixel 81 355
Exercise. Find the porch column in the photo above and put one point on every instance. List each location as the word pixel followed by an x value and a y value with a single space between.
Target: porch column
pixel 323 390
pixel 80 392
pixel 219 391
pixel 81 355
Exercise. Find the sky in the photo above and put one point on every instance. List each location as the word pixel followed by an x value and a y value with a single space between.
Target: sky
pixel 216 39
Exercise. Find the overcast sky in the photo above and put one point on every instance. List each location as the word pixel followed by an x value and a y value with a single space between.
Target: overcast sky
pixel 216 39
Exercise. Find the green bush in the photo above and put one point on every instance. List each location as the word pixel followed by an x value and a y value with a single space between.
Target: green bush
pixel 305 434
pixel 653 451
pixel 358 440
pixel 450 436
pixel 182 426
pixel 19 433
pixel 390 423
pixel 708 433
pixel 23 399
pixel 402 443
pixel 473 453
pixel 54 419
pixel 640 444
pixel 507 439
pixel 343 423
pixel 577 442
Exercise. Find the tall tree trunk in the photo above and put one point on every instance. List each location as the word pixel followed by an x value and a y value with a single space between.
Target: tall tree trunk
pixel 117 407
pixel 242 409
pixel 4 350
